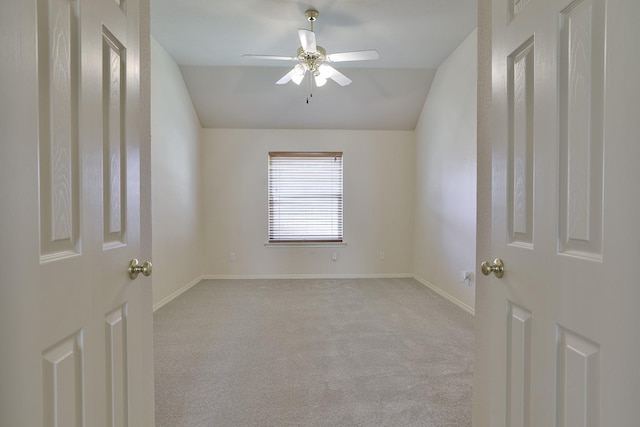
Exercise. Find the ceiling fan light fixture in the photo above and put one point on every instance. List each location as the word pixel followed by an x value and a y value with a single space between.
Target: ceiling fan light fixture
pixel 320 81
pixel 300 69
pixel 297 78
pixel 299 72
pixel 324 71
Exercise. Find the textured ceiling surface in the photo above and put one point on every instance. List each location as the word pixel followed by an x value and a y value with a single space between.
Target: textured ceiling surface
pixel 207 38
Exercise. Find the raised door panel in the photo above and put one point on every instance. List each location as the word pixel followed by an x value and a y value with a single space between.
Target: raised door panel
pixel 114 149
pixel 63 385
pixel 581 119
pixel 516 6
pixel 521 144
pixel 117 372
pixel 578 384
pixel 518 408
pixel 58 81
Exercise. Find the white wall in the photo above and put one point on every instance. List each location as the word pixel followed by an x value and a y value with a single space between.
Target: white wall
pixel 175 170
pixel 445 198
pixel 378 203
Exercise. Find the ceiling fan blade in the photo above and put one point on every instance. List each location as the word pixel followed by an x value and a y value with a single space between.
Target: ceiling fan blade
pixel 361 55
pixel 287 77
pixel 307 40
pixel 331 73
pixel 278 58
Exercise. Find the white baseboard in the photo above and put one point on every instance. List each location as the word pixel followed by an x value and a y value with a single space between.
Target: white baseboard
pixel 311 276
pixel 166 300
pixel 466 307
pixel 463 305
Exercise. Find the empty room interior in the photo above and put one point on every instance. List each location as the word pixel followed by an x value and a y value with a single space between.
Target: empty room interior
pixel 372 327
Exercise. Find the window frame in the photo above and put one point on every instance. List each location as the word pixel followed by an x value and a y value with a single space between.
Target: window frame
pixel 336 207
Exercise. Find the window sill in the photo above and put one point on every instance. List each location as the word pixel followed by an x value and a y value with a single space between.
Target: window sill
pixel 306 244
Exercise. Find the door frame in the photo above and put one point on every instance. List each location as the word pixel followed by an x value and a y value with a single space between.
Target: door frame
pixel 482 373
pixel 145 199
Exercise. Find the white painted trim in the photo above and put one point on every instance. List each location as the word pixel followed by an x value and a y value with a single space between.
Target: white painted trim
pixel 306 244
pixel 313 276
pixel 166 300
pixel 426 283
pixel 466 307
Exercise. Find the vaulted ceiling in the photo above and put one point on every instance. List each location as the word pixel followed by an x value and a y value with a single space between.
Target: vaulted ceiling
pixel 207 38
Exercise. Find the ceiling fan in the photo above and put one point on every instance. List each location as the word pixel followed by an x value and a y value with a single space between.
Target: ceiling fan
pixel 314 60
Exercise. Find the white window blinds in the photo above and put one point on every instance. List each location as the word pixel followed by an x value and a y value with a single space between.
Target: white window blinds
pixel 305 197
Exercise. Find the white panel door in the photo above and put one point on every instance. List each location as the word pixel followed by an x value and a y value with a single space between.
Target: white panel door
pixel 560 327
pixel 75 330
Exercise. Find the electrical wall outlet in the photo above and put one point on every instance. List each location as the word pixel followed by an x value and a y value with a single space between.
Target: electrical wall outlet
pixel 232 256
pixel 381 255
pixel 334 256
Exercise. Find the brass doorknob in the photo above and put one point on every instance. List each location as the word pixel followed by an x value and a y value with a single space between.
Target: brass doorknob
pixel 135 268
pixel 497 268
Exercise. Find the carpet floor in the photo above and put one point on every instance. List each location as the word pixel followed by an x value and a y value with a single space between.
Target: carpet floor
pixel 339 352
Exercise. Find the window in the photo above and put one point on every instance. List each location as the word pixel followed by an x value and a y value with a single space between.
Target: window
pixel 305 197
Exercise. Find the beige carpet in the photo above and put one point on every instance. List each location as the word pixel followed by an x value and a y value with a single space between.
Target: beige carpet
pixel 364 352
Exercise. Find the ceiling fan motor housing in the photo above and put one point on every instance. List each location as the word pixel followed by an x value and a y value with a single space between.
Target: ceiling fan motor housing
pixel 312 59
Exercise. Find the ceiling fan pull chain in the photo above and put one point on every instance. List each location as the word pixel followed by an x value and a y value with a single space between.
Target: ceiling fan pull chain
pixel 310 84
